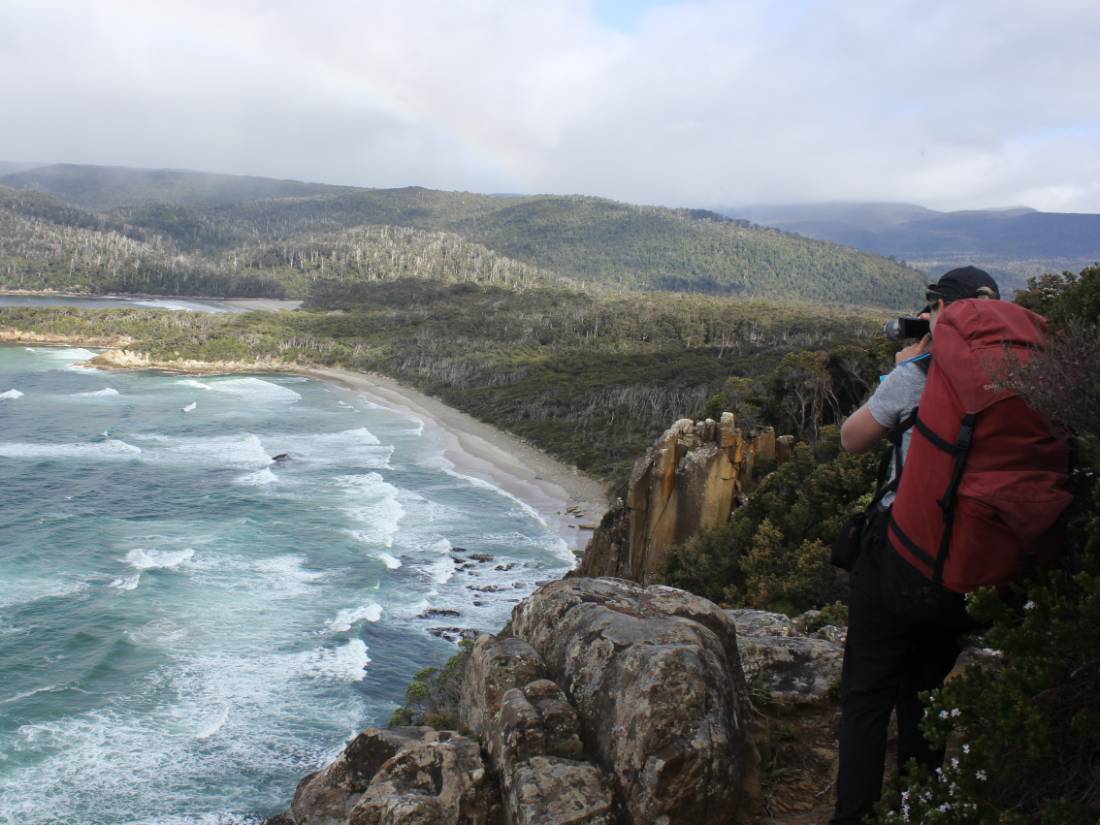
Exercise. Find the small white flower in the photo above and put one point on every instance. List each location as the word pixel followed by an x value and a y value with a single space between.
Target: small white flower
pixel 955 763
pixel 966 748
pixel 943 714
pixel 980 775
pixel 955 713
pixel 1029 606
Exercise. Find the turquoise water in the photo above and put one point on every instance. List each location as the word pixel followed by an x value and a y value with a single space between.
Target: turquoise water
pixel 186 626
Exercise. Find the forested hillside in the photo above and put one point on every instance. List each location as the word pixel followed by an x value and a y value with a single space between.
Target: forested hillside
pixel 207 225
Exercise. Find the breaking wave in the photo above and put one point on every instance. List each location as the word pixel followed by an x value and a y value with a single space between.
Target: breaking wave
pixel 345 619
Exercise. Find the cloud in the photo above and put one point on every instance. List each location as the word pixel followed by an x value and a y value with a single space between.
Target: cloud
pixel 954 105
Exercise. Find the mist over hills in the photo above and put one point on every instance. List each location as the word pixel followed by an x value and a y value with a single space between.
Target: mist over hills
pixel 1013 243
pixel 115 228
pixel 107 187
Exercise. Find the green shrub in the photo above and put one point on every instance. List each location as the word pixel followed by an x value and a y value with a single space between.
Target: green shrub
pixel 432 696
pixel 774 553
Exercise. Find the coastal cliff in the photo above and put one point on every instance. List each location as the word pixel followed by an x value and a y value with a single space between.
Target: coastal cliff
pixel 604 702
pixel 690 480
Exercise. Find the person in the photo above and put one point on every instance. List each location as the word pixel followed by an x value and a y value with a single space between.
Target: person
pixel 903 632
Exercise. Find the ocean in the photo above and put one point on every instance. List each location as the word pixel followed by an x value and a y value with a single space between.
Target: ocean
pixel 188 626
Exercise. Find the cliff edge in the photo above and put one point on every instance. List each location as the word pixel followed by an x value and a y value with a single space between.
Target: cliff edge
pixel 605 703
pixel 690 480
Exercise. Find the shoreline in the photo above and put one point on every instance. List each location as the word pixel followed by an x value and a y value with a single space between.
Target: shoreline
pixel 567 500
pixel 241 304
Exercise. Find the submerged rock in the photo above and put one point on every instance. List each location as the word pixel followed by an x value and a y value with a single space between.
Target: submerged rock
pixel 455 634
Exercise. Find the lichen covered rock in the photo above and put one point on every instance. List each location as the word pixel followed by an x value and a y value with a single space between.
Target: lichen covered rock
pixel 788 666
pixel 656 681
pixel 399 776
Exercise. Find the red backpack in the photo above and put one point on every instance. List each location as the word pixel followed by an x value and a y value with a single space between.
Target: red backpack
pixel 985 477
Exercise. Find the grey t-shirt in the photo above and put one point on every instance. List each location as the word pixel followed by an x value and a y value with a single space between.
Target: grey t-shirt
pixel 891 403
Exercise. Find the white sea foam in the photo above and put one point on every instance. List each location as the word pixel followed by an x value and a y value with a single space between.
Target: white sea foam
pixel 213 724
pixel 244 451
pixel 141 559
pixel 439 571
pixel 391 562
pixel 11 394
pixel 111 448
pixel 191 382
pixel 255 390
pixel 126 582
pixel 448 468
pixel 358 447
pixel 106 392
pixel 346 663
pixel 260 478
pixel 190 407
pixel 373 508
pixel 345 619
pixel 71 354
pixel 27 591
pixel 277 577
pixel 29 693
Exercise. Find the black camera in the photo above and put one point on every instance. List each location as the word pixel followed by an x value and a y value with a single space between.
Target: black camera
pixel 899 329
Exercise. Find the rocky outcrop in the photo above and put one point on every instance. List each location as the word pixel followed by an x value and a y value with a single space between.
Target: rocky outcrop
pixel 399 776
pixel 781 660
pixel 532 737
pixel 690 480
pixel 610 704
pixel 9 335
pixel 655 678
pixel 124 359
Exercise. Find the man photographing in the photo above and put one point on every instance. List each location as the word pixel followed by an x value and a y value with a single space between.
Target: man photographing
pixel 905 609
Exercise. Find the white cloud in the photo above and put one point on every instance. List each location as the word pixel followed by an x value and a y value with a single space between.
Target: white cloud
pixel 954 105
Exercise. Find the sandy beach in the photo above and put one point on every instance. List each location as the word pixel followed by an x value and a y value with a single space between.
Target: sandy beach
pixel 565 498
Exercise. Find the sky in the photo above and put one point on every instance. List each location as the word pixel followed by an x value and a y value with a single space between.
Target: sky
pixel 949 104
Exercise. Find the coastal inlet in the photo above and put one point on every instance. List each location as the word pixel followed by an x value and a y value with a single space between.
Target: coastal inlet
pixel 188 625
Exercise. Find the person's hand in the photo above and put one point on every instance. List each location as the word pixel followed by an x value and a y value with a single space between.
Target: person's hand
pixel 913 350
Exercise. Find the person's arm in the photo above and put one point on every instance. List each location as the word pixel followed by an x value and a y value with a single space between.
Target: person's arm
pixel 860 432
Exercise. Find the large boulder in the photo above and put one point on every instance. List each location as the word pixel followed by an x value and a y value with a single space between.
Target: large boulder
pixel 656 681
pixel 545 779
pixel 399 776
pixel 791 667
pixel 531 735
pixel 494 667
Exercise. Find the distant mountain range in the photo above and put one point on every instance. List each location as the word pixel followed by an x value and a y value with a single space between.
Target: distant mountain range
pixel 68 226
pixel 1013 243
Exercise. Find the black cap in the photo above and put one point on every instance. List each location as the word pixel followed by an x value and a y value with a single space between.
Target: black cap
pixel 964 282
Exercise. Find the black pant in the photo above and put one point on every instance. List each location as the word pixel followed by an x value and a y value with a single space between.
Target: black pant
pixel 903 638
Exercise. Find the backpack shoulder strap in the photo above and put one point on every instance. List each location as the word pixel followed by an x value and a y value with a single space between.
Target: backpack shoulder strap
pixel 895 436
